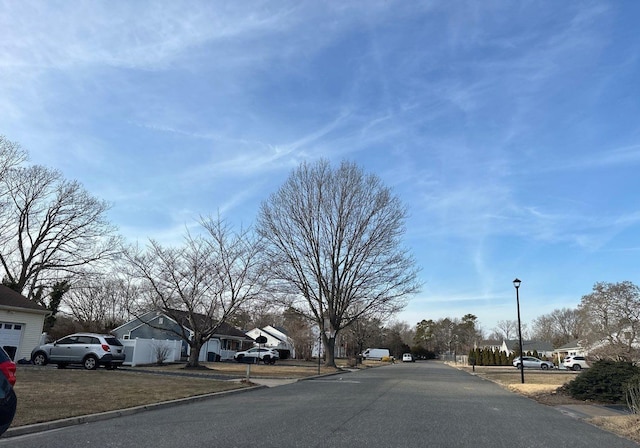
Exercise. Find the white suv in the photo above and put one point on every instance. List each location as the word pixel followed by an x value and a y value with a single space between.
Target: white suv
pixel 87 349
pixel 265 354
pixel 575 362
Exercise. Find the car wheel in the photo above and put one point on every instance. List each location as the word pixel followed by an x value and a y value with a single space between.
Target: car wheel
pixel 576 367
pixel 90 363
pixel 517 366
pixel 273 361
pixel 239 358
pixel 544 367
pixel 40 359
pixel 266 359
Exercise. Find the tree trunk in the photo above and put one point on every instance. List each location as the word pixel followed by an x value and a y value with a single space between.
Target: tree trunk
pixel 329 349
pixel 194 354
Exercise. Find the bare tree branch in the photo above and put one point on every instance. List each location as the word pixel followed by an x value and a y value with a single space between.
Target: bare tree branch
pixel 50 228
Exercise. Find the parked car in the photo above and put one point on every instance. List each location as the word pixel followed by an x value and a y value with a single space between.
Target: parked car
pixel 87 349
pixel 575 362
pixel 7 367
pixel 264 354
pixel 407 357
pixel 8 404
pixel 530 362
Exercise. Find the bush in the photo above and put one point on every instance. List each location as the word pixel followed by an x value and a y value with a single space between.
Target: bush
pixel 605 381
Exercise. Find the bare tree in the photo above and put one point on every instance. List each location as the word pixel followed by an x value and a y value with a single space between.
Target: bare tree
pixel 50 229
pixel 101 303
pixel 507 329
pixel 558 327
pixel 334 239
pixel 363 333
pixel 203 283
pixel 299 330
pixel 611 316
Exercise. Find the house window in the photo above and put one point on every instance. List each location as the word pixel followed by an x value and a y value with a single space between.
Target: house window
pixel 160 320
pixel 126 336
pixel 17 327
pixel 7 326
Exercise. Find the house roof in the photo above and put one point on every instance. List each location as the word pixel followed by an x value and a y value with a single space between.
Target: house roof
pixel 12 299
pixel 571 344
pixel 182 318
pixel 540 346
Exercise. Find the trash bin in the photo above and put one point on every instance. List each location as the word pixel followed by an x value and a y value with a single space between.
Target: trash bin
pixel 211 356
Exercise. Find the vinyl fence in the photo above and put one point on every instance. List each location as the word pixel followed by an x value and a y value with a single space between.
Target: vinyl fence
pixel 147 351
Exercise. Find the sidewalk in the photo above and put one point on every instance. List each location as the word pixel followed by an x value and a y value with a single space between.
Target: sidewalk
pixel 585 411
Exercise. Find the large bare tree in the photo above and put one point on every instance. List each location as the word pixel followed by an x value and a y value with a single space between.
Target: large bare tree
pixel 50 229
pixel 334 241
pixel 203 283
pixel 611 315
pixel 558 327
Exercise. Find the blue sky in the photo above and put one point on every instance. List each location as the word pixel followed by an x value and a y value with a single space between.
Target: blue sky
pixel 510 129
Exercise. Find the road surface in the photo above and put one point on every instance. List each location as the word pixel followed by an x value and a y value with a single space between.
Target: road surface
pixel 403 405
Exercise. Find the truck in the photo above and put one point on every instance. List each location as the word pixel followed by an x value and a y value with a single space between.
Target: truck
pixel 375 353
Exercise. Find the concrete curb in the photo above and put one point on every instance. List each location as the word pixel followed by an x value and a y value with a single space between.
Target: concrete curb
pixel 56 424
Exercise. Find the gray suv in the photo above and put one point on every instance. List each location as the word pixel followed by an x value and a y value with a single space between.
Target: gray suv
pixel 87 349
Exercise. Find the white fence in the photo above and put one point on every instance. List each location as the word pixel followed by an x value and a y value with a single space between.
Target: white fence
pixel 226 355
pixel 147 351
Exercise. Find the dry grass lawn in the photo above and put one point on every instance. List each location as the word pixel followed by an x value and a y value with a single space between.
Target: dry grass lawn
pixel 46 394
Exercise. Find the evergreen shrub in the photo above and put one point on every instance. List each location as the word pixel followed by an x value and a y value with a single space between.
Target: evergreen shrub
pixel 605 382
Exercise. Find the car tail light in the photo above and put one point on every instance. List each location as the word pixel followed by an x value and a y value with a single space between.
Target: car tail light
pixel 106 348
pixel 9 370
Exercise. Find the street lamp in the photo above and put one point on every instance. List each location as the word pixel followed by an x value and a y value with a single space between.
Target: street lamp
pixel 516 283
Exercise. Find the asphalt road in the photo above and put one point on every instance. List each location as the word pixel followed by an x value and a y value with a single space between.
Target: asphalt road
pixel 402 405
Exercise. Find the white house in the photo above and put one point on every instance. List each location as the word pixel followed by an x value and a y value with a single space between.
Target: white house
pixel 544 349
pixel 276 339
pixel 21 323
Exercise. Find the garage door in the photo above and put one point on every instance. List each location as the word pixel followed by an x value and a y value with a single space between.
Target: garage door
pixel 10 335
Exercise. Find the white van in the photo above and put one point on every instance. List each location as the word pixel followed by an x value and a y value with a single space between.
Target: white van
pixel 375 353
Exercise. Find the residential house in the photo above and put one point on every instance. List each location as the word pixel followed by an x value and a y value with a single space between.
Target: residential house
pixel 21 323
pixel 490 344
pixel 276 339
pixel 544 349
pixel 155 326
pixel 572 348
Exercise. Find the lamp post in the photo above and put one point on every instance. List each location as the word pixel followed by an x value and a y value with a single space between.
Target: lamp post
pixel 516 283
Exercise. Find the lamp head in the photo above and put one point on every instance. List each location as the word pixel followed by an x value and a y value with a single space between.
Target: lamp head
pixel 516 283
